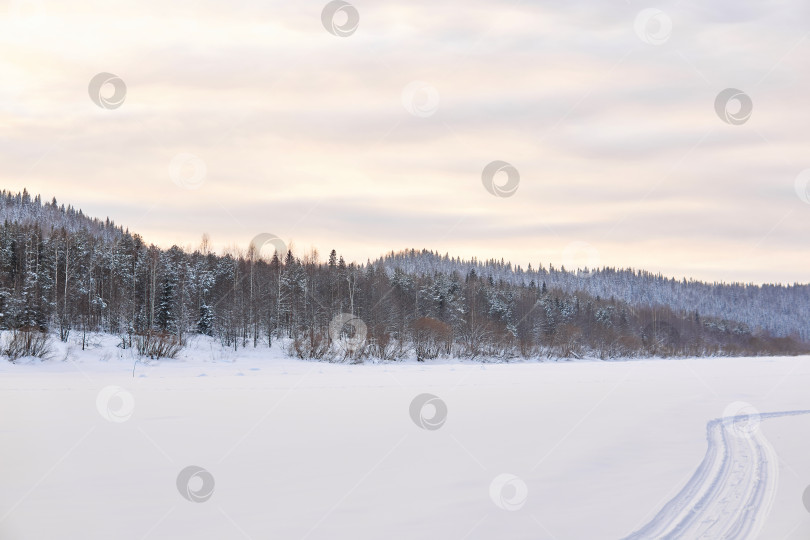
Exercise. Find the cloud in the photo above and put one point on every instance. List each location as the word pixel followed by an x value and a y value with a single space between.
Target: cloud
pixel 304 134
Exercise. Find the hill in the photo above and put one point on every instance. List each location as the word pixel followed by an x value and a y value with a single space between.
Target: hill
pixel 62 272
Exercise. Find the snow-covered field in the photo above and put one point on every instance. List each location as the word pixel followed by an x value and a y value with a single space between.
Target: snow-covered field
pixel 293 449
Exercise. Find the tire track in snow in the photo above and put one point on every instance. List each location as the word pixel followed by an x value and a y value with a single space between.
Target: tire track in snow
pixel 731 492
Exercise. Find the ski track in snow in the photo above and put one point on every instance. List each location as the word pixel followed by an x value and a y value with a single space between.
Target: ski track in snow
pixel 731 492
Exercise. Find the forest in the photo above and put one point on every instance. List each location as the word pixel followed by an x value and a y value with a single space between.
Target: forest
pixel 65 276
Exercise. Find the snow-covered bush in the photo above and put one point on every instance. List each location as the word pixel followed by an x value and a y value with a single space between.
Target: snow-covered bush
pixel 26 342
pixel 309 344
pixel 383 345
pixel 157 345
pixel 431 338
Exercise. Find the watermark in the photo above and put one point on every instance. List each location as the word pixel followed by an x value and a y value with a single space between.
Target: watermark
pixel 581 258
pixel 195 484
pixel 653 26
pixel 428 412
pixel 187 171
pixel 340 18
pixel 741 418
pixel 802 186
pixel 115 404
pixel 347 332
pixel 508 492
pixel 504 188
pixel 420 99
pixel 99 90
pixel 733 106
pixel 273 243
pixel 806 498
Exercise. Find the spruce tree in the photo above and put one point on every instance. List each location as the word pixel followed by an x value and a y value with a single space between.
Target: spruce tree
pixel 205 324
pixel 165 313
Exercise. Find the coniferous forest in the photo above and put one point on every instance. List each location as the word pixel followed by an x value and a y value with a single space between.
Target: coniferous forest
pixel 65 276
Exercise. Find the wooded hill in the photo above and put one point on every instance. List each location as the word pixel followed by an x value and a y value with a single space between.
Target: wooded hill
pixel 64 274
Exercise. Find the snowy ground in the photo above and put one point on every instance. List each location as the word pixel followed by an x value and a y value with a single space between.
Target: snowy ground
pixel 296 449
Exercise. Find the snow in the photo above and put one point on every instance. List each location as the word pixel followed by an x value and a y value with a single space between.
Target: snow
pixel 731 493
pixel 296 449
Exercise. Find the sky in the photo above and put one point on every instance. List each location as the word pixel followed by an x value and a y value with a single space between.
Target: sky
pixel 668 136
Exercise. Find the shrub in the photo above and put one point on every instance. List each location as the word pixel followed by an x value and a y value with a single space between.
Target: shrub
pixel 431 338
pixel 310 344
pixel 383 345
pixel 27 342
pixel 157 345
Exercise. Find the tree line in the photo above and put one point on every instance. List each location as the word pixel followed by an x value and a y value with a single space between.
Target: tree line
pixel 783 310
pixel 70 276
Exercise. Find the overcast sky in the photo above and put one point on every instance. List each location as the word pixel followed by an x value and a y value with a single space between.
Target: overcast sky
pixel 241 118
